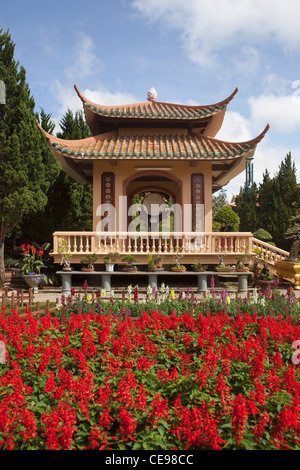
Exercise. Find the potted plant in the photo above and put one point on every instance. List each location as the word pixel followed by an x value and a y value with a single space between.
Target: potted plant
pixel 65 255
pixel 265 278
pixel 158 263
pixel 178 267
pixel 110 259
pixel 155 262
pixel 31 265
pixel 199 267
pixel 151 262
pixel 222 267
pixel 88 262
pixel 129 261
pixel 240 266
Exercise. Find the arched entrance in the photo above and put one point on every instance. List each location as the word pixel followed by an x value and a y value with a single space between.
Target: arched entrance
pixel 156 182
pixel 156 189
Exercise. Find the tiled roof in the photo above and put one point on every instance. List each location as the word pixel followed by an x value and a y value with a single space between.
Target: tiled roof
pixel 163 146
pixel 155 109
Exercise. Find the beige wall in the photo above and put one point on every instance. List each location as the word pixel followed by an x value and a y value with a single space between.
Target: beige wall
pixel 180 169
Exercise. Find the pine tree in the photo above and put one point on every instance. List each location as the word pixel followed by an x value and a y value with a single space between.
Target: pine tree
pixel 279 200
pixel 246 207
pixel 73 127
pixel 24 153
pixel 268 204
pixel 70 204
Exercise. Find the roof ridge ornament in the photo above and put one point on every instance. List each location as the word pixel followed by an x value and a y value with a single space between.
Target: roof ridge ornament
pixel 152 94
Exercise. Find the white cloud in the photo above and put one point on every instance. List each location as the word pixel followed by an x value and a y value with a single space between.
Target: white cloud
pixel 67 98
pixel 109 98
pixel 282 112
pixel 206 28
pixel 237 128
pixel 84 62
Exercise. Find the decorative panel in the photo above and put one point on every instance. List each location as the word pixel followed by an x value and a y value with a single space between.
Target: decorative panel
pixel 108 188
pixel 197 189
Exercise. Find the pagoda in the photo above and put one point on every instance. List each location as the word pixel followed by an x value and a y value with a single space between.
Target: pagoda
pixel 154 150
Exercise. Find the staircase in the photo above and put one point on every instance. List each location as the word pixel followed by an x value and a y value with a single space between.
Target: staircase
pixel 270 253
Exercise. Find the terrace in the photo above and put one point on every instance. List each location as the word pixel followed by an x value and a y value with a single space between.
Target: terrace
pixel 209 246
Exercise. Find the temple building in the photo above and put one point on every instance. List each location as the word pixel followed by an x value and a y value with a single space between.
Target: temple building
pixel 153 152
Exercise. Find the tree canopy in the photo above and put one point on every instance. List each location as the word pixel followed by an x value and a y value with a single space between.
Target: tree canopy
pixel 273 205
pixel 26 162
pixel 70 204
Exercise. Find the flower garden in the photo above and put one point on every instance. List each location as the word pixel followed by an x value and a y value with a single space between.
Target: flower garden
pixel 179 374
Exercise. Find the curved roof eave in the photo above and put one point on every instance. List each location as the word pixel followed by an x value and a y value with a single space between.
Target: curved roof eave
pixel 224 102
pixel 180 146
pixel 251 142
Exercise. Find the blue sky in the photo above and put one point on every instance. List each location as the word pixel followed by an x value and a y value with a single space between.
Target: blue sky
pixel 193 52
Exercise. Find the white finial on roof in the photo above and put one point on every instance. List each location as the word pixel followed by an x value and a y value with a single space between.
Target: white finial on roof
pixel 152 94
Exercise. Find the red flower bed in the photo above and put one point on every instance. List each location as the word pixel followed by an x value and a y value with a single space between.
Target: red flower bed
pixel 159 382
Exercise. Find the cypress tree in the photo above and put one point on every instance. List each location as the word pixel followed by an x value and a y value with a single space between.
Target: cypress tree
pixel 24 153
pixel 246 207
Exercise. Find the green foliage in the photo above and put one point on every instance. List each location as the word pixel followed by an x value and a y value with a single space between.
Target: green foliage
pixel 129 260
pixel 246 208
pixel 279 200
pixel 89 259
pixel 111 257
pixel 70 204
pixel 25 159
pixel 219 200
pixel 273 206
pixel 263 235
pixel 228 219
pixel 73 126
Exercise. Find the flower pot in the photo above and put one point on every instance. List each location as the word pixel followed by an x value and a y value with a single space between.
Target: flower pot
pixel 264 283
pixel 223 270
pixel 33 280
pixel 109 267
pixel 129 269
pixel 242 270
pixel 87 270
pixel 178 270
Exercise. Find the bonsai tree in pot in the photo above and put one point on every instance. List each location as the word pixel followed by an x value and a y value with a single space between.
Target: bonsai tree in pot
pixel 155 262
pixel 199 267
pixel 65 255
pixel 129 261
pixel 222 267
pixel 88 262
pixel 110 259
pixel 240 265
pixel 178 267
pixel 158 263
pixel 151 262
